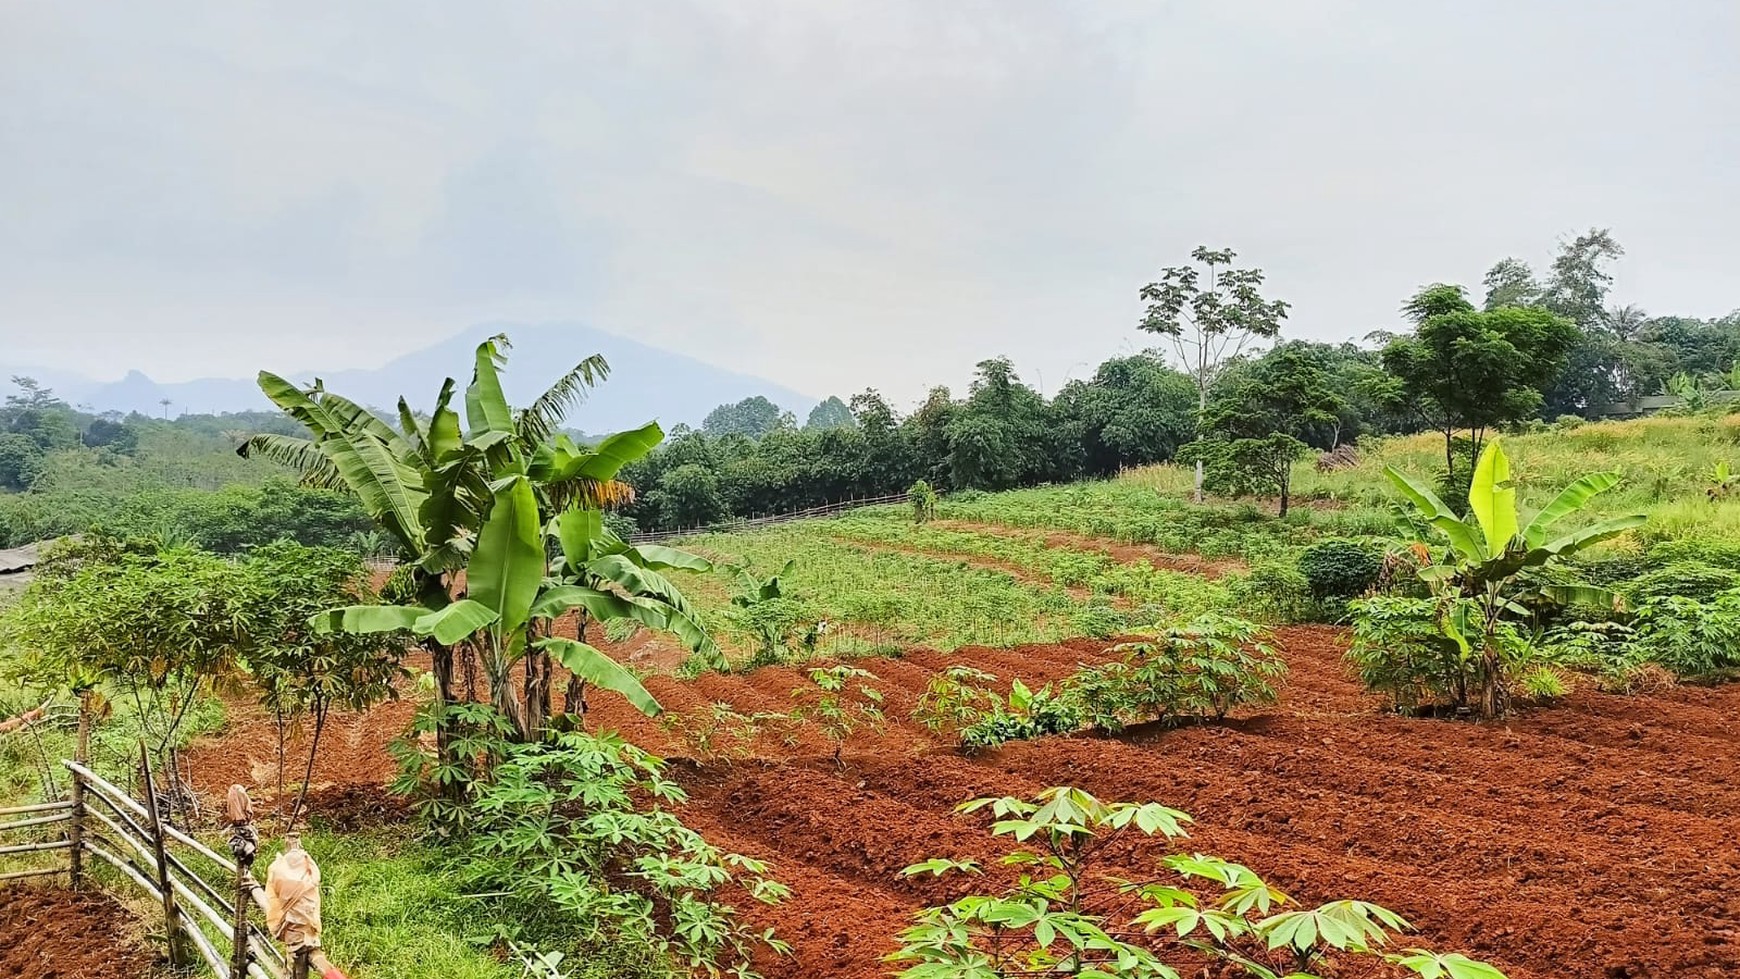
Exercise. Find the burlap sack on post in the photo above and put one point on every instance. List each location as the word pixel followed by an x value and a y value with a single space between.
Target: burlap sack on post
pixel 293 898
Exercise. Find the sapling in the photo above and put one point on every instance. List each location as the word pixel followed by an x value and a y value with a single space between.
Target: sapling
pixel 839 700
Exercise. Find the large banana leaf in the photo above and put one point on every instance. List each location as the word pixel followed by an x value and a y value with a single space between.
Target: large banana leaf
pixel 508 564
pixel 538 422
pixel 661 558
pixel 445 440
pixel 486 407
pixel 594 667
pixel 1438 515
pixel 1492 498
pixel 563 460
pixel 456 622
pixel 1589 536
pixel 639 582
pixel 448 624
pixel 579 529
pixel 389 490
pixel 602 605
pixel 1569 501
pixel 1585 595
pixel 314 468
pixel 413 432
pixel 365 619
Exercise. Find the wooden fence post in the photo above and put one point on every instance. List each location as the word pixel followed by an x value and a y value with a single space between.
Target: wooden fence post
pixel 171 919
pixel 244 844
pixel 75 832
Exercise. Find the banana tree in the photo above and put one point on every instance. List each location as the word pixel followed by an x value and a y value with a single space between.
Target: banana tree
pixel 508 612
pixel 430 483
pixel 1481 581
pixel 605 578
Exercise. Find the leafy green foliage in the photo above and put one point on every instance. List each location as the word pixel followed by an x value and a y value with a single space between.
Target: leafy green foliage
pixel 1028 714
pixel 1685 579
pixel 1199 670
pixel 1692 638
pixel 579 835
pixel 1339 568
pixel 955 699
pixel 1486 578
pixel 1052 920
pixel 839 701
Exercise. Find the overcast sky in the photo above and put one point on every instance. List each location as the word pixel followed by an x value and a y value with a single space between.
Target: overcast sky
pixel 830 195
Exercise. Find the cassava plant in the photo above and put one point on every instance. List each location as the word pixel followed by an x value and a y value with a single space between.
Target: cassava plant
pixel 1052 920
pixel 1198 670
pixel 1480 580
pixel 838 700
pixel 954 700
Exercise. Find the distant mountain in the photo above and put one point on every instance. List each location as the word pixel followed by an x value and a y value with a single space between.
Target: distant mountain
pixel 645 382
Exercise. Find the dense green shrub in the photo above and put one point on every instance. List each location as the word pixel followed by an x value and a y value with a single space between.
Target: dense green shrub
pixel 574 839
pixel 1029 714
pixel 1402 649
pixel 1274 591
pixel 1718 552
pixel 1685 579
pixel 1339 568
pixel 1198 670
pixel 1694 639
pixel 1101 621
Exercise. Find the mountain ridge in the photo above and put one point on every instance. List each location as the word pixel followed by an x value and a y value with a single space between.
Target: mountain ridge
pixel 645 382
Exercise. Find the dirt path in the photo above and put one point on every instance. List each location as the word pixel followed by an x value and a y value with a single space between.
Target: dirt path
pixel 1592 839
pixel 51 933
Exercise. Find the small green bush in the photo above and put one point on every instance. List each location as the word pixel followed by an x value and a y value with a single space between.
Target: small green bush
pixel 1693 639
pixel 1101 622
pixel 1198 670
pixel 1274 591
pixel 1720 553
pixel 1685 579
pixel 1029 714
pixel 1340 568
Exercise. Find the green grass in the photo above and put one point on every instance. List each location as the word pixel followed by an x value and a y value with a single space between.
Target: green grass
pixel 393 912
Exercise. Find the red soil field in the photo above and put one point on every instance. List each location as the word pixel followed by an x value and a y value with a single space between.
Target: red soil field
pixel 1591 839
pixel 51 933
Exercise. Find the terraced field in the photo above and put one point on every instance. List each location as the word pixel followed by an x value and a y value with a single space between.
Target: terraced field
pixel 1591 839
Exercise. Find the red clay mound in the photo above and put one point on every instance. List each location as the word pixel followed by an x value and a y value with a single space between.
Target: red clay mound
pixel 58 934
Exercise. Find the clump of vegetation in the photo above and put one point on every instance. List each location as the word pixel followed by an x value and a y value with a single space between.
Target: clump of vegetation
pixel 1462 645
pixel 1338 569
pixel 1052 920
pixel 574 839
pixel 923 501
pixel 1028 714
pixel 1195 671
pixel 954 700
pixel 839 700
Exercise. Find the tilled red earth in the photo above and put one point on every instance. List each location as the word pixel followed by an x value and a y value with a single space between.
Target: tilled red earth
pixel 1593 839
pixel 50 933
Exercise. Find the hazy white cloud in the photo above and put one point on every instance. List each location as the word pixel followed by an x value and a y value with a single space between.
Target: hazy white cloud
pixel 830 195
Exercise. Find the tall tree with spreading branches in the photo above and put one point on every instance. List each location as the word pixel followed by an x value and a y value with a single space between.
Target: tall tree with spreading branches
pixel 1211 316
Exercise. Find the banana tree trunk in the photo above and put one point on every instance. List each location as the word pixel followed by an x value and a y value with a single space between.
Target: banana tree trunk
pixel 441 662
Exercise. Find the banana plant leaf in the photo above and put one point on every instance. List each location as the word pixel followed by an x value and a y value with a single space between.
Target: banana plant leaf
pixel 587 663
pixel 508 565
pixel 1492 498
pixel 1461 536
pixel 1569 501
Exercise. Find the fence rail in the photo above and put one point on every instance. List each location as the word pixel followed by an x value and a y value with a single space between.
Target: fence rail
pixel 753 523
pixel 128 835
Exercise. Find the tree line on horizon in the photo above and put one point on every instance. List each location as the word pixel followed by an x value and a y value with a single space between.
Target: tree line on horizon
pixel 1529 345
pixel 1532 345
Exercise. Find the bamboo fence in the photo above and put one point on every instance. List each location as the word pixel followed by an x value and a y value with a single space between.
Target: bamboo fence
pixel 206 914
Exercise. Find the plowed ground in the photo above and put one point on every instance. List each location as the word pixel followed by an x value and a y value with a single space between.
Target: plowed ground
pixel 51 933
pixel 1593 839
